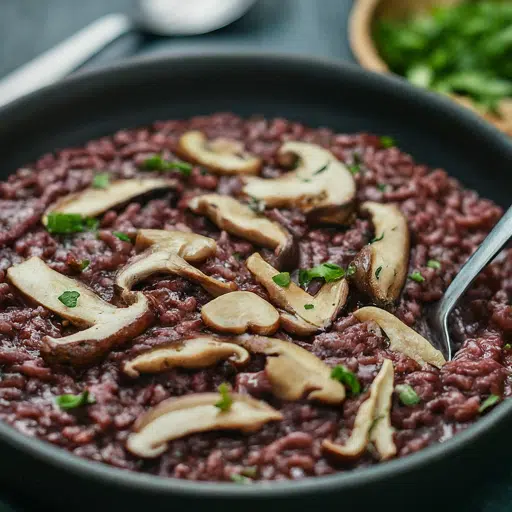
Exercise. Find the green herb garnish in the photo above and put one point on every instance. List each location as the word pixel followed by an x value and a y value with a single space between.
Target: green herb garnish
pixel 327 271
pixel 378 271
pixel 507 346
pixel 157 163
pixel 345 376
pixel 416 276
pixel 322 169
pixel 69 298
pixel 73 401
pixel 387 142
pixel 225 402
pixel 309 306
pixel 122 236
pixel 240 479
pixel 377 239
pixel 83 265
pixel 66 223
pixel 461 49
pixel 488 402
pixel 407 394
pixel 256 205
pixel 433 264
pixel 282 279
pixel 237 256
pixel 101 180
pixel 250 471
pixel 354 168
pixel 381 186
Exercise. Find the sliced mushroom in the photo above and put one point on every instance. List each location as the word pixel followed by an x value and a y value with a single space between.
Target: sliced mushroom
pixel 169 252
pixel 179 417
pixel 200 352
pixel 238 219
pixel 94 201
pixel 293 371
pixel 321 186
pixel 381 266
pixel 239 312
pixel 106 325
pixel 372 421
pixel 326 303
pixel 223 156
pixel 401 337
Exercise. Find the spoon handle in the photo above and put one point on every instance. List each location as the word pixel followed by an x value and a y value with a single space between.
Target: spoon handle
pixel 64 58
pixel 488 249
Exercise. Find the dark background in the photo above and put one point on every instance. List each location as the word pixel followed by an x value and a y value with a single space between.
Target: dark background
pixel 313 27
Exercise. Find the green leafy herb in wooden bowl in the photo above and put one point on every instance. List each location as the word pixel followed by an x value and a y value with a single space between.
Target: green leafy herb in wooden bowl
pixel 461 48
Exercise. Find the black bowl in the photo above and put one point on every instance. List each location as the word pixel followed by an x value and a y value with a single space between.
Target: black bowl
pixel 318 93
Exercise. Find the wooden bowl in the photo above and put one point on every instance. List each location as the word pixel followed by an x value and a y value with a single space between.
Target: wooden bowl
pixel 362 20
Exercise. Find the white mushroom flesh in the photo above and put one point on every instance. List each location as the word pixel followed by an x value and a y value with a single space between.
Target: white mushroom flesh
pixel 240 312
pixel 91 202
pixel 106 324
pixel 293 372
pixel 222 156
pixel 401 337
pixel 372 414
pixel 190 414
pixel 381 266
pixel 321 186
pixel 200 352
pixel 168 252
pixel 326 303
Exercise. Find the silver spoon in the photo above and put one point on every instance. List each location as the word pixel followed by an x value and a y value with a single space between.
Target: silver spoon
pixel 161 17
pixel 489 248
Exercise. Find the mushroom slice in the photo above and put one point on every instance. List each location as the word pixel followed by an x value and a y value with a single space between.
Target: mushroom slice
pixel 239 312
pixel 106 325
pixel 200 352
pixel 221 155
pixel 293 299
pixel 169 252
pixel 321 186
pixel 178 417
pixel 401 337
pixel 293 371
pixel 372 421
pixel 381 266
pixel 238 219
pixel 94 201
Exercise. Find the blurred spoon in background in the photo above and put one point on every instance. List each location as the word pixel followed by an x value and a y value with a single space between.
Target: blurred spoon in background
pixel 160 17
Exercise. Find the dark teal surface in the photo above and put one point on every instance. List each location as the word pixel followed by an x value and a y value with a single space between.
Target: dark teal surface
pixel 314 27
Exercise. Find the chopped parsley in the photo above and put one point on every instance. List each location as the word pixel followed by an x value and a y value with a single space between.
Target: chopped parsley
pixel 69 298
pixel 488 402
pixel 122 236
pixel 250 471
pixel 84 264
pixel 387 142
pixel 240 479
pixel 377 239
pixel 382 187
pixel 407 394
pixel 378 271
pixel 282 279
pixel 309 306
pixel 66 223
pixel 507 346
pixel 101 180
pixel 158 163
pixel 322 169
pixel 237 256
pixel 345 376
pixel 354 168
pixel 416 276
pixel 351 270
pixel 256 205
pixel 225 402
pixel 434 264
pixel 73 401
pixel 327 271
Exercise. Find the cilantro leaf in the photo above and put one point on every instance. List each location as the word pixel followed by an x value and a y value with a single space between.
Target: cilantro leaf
pixel 282 279
pixel 346 377
pixel 69 298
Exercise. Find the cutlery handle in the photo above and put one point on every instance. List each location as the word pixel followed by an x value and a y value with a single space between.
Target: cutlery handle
pixel 488 249
pixel 62 59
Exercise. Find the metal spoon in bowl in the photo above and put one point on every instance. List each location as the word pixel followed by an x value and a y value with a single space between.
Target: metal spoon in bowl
pixel 161 17
pixel 489 248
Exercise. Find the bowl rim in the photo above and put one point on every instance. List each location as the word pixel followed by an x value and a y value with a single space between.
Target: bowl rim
pixel 338 482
